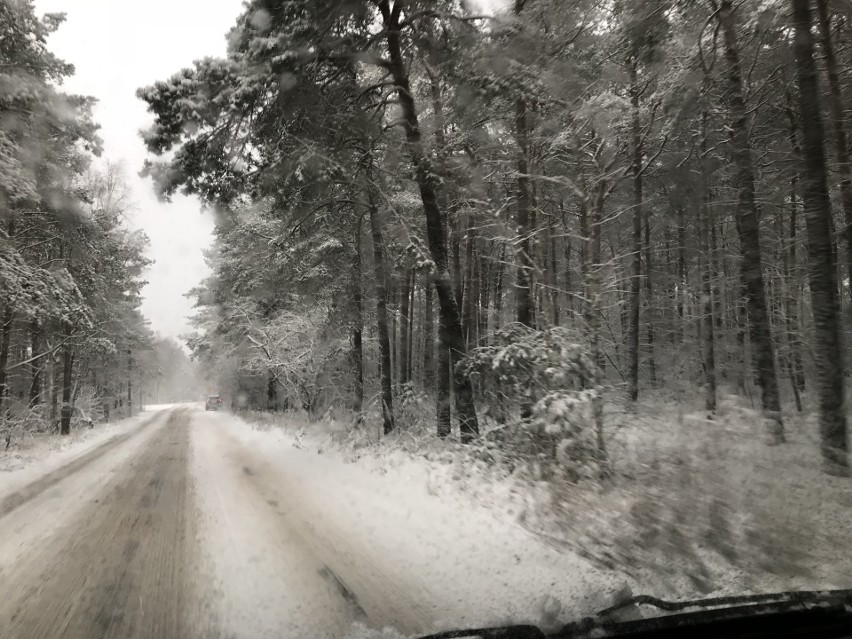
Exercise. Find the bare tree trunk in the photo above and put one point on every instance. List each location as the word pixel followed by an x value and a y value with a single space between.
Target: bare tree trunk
pixel 358 327
pixel 469 295
pixel 129 383
pixel 382 315
pixel 393 305
pixel 838 126
pixel 405 310
pixel 426 181
pixel 67 409
pixel 428 337
pixel 706 258
pixel 551 274
pixel 636 243
pixel 409 372
pixel 793 306
pixel 5 342
pixel 35 381
pixel 443 408
pixel 271 390
pixel 822 271
pixel 594 294
pixel 523 259
pixel 523 255
pixel 681 268
pixel 649 301
pixel 791 312
pixel 484 297
pixel 476 297
pixel 763 350
pixel 498 286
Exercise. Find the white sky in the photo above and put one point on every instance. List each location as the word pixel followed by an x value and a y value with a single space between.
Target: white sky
pixel 118 46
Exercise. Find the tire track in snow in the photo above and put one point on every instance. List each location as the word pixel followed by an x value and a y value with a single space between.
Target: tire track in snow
pixel 263 580
pixel 373 592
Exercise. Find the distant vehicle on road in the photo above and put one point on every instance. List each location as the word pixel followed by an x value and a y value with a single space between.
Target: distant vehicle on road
pixel 214 402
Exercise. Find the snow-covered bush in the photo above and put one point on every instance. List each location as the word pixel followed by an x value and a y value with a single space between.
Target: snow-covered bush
pixel 416 413
pixel 546 384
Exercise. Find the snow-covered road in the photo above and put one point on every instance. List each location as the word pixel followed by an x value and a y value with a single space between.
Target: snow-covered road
pixel 191 524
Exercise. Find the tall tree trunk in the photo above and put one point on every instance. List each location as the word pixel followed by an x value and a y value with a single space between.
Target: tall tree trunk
pixel 129 382
pixel 443 379
pixel 358 327
pixel 793 301
pixel 594 295
pixel 271 390
pixel 476 297
pixel 443 412
pixel 484 296
pixel 636 240
pixel 426 181
pixel 409 373
pixel 469 296
pixel 393 305
pixel 822 271
pixel 456 247
pixel 649 300
pixel 708 336
pixel 838 126
pixel 404 311
pixel 498 286
pixel 67 409
pixel 791 310
pixel 35 381
pixel 585 245
pixel 382 315
pixel 52 390
pixel 5 342
pixel 428 337
pixel 763 350
pixel 681 270
pixel 523 256
pixel 551 274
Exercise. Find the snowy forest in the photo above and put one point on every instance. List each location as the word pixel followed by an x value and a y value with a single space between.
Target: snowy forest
pixel 74 347
pixel 490 311
pixel 521 217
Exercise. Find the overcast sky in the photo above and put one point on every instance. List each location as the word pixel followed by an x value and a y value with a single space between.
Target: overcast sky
pixel 118 46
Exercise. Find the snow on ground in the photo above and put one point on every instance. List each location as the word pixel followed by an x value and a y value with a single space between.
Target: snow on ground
pixel 260 579
pixel 156 407
pixel 33 456
pixel 696 507
pixel 417 561
pixel 705 506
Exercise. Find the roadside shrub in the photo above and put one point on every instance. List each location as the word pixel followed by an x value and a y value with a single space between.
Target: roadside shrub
pixel 546 385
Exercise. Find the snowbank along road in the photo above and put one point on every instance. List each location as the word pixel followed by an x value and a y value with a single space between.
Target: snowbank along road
pixel 185 527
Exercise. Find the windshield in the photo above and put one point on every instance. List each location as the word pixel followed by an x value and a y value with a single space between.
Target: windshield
pixel 341 318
